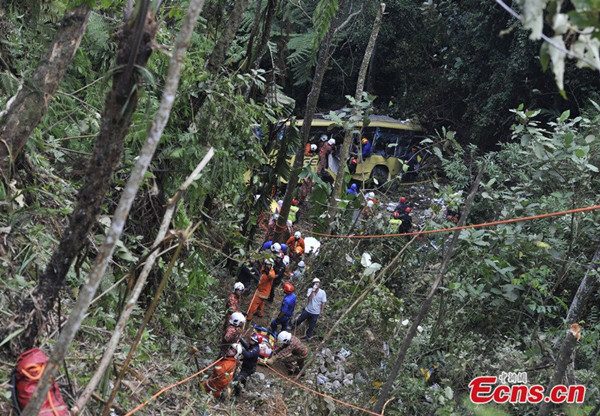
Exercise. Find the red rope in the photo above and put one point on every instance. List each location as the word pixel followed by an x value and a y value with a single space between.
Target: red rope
pixel 465 227
pixel 169 387
pixel 318 393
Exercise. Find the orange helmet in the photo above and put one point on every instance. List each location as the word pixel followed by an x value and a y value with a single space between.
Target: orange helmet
pixel 408 210
pixel 288 288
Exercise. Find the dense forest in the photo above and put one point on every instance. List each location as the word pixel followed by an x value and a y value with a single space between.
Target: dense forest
pixel 304 207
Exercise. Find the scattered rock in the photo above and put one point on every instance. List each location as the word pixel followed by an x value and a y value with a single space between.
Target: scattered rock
pixel 321 379
pixel 336 385
pixel 260 376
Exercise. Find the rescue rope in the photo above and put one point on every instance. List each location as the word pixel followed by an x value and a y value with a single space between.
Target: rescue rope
pixel 464 227
pixel 169 387
pixel 318 393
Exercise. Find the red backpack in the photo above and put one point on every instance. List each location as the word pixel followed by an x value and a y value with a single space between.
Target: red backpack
pixel 30 366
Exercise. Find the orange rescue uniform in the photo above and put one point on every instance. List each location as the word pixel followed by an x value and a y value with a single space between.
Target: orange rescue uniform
pixel 263 290
pixel 295 246
pixel 221 376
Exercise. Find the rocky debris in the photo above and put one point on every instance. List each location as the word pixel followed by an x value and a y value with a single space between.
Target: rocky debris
pixel 331 373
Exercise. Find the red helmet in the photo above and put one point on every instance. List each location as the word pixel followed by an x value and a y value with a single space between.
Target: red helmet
pixel 396 214
pixel 354 161
pixel 403 200
pixel 288 288
pixel 408 210
pixel 295 201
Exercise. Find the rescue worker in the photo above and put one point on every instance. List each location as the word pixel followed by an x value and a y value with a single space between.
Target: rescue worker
pixel 324 153
pixel 271 227
pixel 352 164
pixel 366 148
pixel 294 208
pixel 262 290
pixel 233 301
pixel 394 222
pixel 291 351
pixel 299 272
pixel 223 372
pixel 305 189
pixel 452 215
pixel 280 266
pixel 288 304
pixel 232 333
pixel 250 355
pixel 406 221
pixel 402 205
pixel 368 210
pixel 353 190
pixel 296 245
pixel 314 307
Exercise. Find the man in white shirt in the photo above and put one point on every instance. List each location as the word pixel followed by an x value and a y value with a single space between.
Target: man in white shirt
pixel 314 307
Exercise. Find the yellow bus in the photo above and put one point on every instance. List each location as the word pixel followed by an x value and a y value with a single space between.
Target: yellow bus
pixel 394 148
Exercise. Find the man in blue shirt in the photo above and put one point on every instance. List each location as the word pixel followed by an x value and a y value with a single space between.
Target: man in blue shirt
pixel 288 304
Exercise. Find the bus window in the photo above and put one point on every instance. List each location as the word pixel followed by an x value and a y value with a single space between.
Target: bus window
pixel 386 142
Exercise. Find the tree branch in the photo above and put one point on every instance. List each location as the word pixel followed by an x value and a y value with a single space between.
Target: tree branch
pixel 121 213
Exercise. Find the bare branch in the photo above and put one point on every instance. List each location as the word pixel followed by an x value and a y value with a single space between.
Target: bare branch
pixel 121 213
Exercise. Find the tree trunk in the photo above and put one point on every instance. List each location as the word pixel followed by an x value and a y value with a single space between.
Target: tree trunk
pixel 105 252
pixel 387 387
pixel 111 347
pixel 135 47
pixel 360 85
pixel 26 110
pixel 266 32
pixel 311 106
pixel 253 34
pixel 217 57
pixel 588 286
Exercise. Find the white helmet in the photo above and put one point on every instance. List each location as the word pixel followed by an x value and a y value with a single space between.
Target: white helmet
pixel 286 260
pixel 313 147
pixel 370 204
pixel 237 319
pixel 239 286
pixel 297 234
pixel 284 337
pixel 289 223
pixel 324 137
pixel 235 350
pixel 301 264
pixel 270 262
pixel 276 248
pixel 275 216
pixel 371 195
pixel 331 141
pixel 280 202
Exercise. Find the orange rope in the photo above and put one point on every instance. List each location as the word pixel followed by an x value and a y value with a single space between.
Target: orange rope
pixel 302 386
pixel 466 227
pixel 164 389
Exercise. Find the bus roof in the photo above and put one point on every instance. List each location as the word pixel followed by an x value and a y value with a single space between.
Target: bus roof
pixel 322 120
